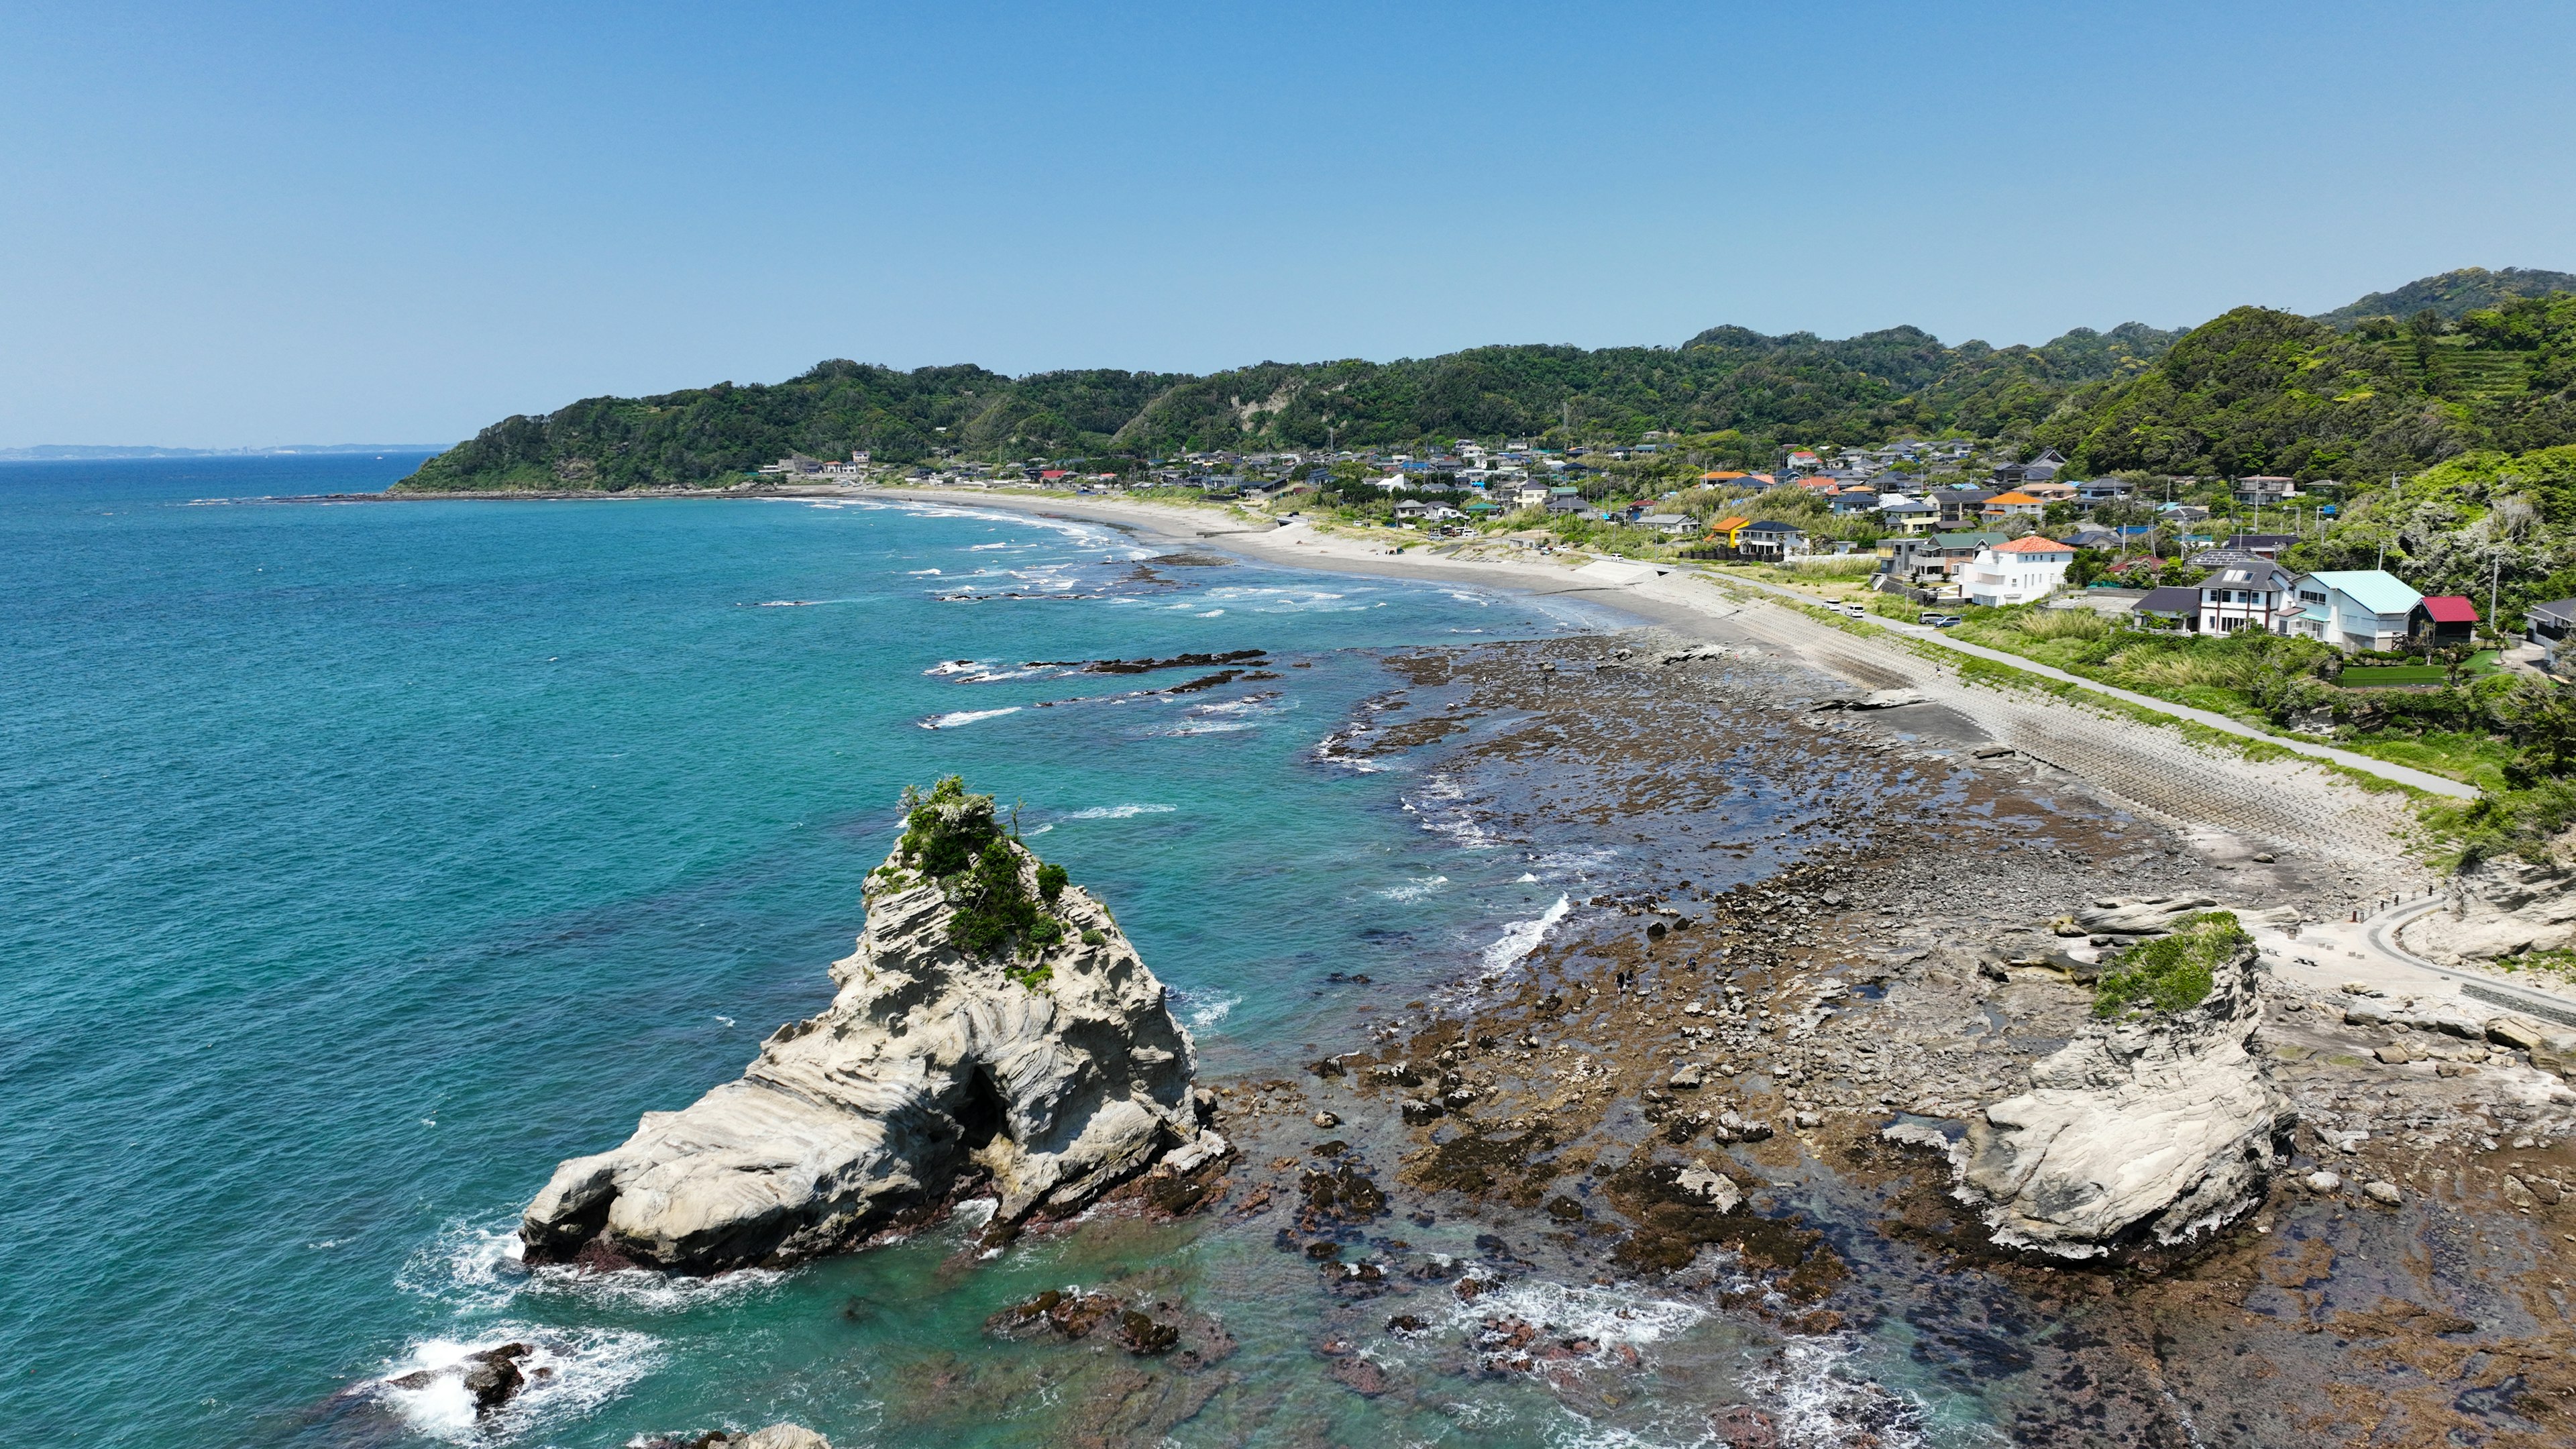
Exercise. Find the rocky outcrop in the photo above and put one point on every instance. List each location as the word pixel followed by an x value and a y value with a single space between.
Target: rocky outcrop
pixel 2139 1134
pixel 1055 1074
pixel 2155 915
pixel 2499 907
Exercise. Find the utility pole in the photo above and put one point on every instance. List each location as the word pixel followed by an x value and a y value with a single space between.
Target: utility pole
pixel 2495 582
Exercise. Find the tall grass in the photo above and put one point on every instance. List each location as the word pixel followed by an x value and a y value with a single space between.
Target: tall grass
pixel 2064 624
pixel 1856 566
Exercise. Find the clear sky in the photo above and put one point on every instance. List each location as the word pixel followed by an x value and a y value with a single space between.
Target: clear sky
pixel 227 224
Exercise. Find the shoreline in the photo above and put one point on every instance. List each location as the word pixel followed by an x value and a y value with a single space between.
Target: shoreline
pixel 2231 806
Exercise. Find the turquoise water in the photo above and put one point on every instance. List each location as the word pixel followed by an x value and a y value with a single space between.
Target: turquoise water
pixel 364 860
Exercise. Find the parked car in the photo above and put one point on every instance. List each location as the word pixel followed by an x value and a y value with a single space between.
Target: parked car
pixel 1940 621
pixel 1850 611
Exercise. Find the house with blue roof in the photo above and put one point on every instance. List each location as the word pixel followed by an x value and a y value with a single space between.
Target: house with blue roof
pixel 2353 608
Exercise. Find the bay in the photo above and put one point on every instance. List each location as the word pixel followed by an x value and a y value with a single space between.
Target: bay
pixel 362 860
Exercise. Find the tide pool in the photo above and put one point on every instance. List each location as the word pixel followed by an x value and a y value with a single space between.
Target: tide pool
pixel 363 860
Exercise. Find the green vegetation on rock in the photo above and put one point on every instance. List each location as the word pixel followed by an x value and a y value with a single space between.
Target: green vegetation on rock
pixel 956 839
pixel 2173 972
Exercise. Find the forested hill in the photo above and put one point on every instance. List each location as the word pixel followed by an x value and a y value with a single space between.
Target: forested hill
pixel 1767 391
pixel 2258 391
pixel 2453 295
pixel 2398 380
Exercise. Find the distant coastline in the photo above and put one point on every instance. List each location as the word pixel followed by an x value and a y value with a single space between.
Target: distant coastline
pixel 117 453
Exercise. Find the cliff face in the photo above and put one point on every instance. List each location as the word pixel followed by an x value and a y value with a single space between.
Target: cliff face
pixel 2500 907
pixel 2137 1135
pixel 929 1064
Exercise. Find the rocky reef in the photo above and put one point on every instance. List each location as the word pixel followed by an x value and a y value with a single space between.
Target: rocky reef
pixel 2147 1131
pixel 994 1027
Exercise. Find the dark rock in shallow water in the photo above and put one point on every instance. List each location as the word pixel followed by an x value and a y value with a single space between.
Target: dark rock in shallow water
pixel 493 1377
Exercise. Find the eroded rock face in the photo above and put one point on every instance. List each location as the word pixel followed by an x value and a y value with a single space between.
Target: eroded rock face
pixel 2136 1135
pixel 928 1064
pixel 2499 907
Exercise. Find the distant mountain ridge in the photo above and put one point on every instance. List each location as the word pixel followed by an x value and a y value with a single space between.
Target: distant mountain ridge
pixel 2212 400
pixel 1747 392
pixel 2452 295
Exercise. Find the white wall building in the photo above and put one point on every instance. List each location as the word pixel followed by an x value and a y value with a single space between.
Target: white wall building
pixel 2016 572
pixel 2353 608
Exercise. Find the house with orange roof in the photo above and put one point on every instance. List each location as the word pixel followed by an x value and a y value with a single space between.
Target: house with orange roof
pixel 2015 503
pixel 2016 572
pixel 1722 476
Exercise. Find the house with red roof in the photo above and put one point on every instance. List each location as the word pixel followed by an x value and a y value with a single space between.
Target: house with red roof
pixel 2444 619
pixel 2016 572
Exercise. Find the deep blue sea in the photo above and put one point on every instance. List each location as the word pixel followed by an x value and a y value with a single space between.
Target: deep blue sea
pixel 362 860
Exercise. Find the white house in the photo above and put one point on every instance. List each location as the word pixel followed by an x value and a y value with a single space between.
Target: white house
pixel 2253 594
pixel 1674 524
pixel 2353 608
pixel 1530 495
pixel 2016 572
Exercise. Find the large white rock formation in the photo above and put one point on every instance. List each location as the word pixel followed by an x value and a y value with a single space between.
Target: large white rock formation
pixel 2138 1134
pixel 2500 907
pixel 928 1063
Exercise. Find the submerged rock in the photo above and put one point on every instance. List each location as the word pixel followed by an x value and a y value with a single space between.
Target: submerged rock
pixel 2138 1134
pixel 1057 1074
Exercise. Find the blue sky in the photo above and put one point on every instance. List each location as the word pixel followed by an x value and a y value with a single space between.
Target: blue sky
pixel 227 225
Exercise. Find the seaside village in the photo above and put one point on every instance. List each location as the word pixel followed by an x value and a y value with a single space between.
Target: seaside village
pixel 1927 529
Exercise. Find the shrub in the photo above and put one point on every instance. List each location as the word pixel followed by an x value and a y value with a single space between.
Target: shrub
pixel 2175 972
pixel 946 829
pixel 992 907
pixel 1051 881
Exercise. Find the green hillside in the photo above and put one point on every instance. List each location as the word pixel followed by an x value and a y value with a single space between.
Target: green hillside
pixel 1754 392
pixel 2258 391
pixel 2453 295
pixel 2396 382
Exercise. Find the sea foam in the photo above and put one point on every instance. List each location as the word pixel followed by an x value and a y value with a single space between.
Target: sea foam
pixel 954 718
pixel 1522 937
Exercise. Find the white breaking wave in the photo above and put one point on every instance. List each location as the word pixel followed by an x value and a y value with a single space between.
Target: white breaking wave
pixel 1120 812
pixel 481 1269
pixel 1822 1404
pixel 1415 889
pixel 570 1373
pixel 1522 937
pixel 957 666
pixel 1208 1013
pixel 1605 1316
pixel 955 718
pixel 1582 861
pixel 1205 727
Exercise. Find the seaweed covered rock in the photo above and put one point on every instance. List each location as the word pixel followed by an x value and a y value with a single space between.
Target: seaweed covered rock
pixel 994 1022
pixel 2154 1127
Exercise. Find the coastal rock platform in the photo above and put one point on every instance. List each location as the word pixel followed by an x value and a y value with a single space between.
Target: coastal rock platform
pixel 1055 1076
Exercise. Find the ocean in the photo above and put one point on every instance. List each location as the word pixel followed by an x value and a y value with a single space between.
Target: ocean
pixel 363 860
